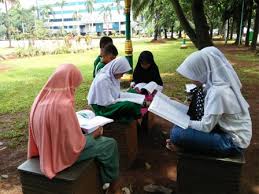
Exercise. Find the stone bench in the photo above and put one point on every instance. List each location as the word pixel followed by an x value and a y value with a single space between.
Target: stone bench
pixel 201 174
pixel 81 178
pixel 126 136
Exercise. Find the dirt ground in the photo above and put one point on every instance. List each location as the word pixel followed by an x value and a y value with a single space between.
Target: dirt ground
pixel 154 163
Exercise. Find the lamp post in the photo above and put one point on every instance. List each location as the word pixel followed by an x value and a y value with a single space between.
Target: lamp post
pixel 128 43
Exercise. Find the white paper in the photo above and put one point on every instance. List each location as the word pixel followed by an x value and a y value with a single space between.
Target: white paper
pixel 170 110
pixel 89 122
pixel 189 87
pixel 131 97
pixel 150 87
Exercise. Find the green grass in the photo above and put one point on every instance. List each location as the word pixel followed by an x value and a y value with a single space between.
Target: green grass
pixel 25 77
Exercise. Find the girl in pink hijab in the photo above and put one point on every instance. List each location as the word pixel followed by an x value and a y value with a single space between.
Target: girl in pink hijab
pixel 54 132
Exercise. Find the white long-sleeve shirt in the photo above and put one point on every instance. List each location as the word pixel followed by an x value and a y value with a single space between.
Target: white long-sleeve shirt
pixel 238 126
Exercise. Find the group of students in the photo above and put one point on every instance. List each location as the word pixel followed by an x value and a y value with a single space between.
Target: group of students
pixel 56 138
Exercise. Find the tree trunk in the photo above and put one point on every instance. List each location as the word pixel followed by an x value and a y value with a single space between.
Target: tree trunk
pixel 8 36
pixel 256 27
pixel 184 22
pixel 172 32
pixel 180 34
pixel 165 31
pixel 211 30
pixel 155 33
pixel 232 29
pixel 228 26
pixel 237 15
pixel 201 25
pixel 249 23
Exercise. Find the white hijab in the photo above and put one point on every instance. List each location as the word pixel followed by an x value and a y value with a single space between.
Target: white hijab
pixel 211 67
pixel 105 88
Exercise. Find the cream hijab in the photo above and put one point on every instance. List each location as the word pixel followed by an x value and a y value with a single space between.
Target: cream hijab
pixel 223 86
pixel 105 88
pixel 54 132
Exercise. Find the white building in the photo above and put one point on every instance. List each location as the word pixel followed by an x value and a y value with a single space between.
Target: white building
pixel 106 17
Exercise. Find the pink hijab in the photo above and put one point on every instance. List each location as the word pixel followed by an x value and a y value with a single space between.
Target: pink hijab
pixel 54 132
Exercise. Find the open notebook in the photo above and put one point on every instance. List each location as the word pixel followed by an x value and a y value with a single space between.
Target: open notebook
pixel 89 122
pixel 150 87
pixel 131 97
pixel 170 110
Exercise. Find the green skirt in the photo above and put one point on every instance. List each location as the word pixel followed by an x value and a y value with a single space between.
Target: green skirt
pixel 120 111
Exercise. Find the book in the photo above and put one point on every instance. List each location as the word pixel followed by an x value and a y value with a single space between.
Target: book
pixel 89 122
pixel 189 87
pixel 171 110
pixel 131 97
pixel 149 87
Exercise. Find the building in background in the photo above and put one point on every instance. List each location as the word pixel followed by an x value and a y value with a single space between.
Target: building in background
pixel 85 16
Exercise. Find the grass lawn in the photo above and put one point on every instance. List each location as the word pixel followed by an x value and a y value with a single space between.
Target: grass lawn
pixel 25 77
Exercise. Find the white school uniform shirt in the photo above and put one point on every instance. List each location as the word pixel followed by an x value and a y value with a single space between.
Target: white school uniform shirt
pixel 224 104
pixel 105 88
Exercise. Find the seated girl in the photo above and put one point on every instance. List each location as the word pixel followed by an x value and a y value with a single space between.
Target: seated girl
pixel 224 107
pixel 105 89
pixel 55 135
pixel 146 70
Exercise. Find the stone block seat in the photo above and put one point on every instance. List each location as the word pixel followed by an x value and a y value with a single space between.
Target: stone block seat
pixel 126 136
pixel 81 178
pixel 206 174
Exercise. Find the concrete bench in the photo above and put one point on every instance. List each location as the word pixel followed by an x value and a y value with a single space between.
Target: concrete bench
pixel 81 178
pixel 126 136
pixel 201 174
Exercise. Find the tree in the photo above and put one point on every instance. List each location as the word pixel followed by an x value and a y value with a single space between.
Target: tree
pixel 76 16
pixel 249 18
pixel 168 18
pixel 61 4
pixel 106 11
pixel 200 34
pixel 256 26
pixel 21 19
pixel 119 7
pixel 154 9
pixel 45 12
pixel 8 34
pixel 89 5
pixel 213 12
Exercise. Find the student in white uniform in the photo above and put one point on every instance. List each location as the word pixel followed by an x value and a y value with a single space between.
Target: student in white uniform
pixel 224 106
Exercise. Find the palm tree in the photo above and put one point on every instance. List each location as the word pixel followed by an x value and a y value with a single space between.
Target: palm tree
pixel 61 4
pixel 45 12
pixel 89 5
pixel 76 16
pixel 8 36
pixel 119 7
pixel 153 8
pixel 106 11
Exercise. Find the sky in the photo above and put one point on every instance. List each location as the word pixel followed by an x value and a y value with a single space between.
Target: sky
pixel 27 3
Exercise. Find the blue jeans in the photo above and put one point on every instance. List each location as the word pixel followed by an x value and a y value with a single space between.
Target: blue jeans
pixel 216 141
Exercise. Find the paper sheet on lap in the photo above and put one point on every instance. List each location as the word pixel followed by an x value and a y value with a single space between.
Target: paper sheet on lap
pixel 170 110
pixel 89 122
pixel 150 87
pixel 131 97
